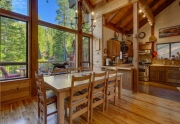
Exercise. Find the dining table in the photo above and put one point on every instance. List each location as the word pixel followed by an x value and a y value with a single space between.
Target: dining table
pixel 61 85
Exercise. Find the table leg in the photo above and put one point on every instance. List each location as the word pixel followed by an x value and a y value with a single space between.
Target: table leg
pixel 60 107
pixel 119 87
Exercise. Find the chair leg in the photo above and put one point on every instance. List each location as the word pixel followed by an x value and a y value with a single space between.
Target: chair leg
pixel 103 106
pixel 88 115
pixel 38 110
pixel 70 116
pixel 91 113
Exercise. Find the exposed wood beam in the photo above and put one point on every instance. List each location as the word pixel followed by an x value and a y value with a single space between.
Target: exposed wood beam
pixel 111 6
pixel 163 6
pixel 153 3
pixel 94 2
pixel 112 27
pixel 157 5
pixel 147 11
pixel 100 4
pixel 112 16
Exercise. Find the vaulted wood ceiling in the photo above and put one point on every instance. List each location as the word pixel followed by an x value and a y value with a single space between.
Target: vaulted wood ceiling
pixel 121 20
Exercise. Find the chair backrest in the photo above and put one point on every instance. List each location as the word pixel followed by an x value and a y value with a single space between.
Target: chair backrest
pixel 58 70
pixel 73 70
pixel 111 81
pixel 41 89
pixel 78 84
pixel 99 82
pixel 4 71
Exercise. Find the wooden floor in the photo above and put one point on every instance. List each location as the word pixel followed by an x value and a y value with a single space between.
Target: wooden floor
pixel 131 109
pixel 160 89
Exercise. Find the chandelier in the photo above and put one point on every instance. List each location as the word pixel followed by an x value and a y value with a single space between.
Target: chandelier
pixel 87 24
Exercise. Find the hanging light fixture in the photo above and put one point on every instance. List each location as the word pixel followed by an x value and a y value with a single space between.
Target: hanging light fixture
pixel 85 20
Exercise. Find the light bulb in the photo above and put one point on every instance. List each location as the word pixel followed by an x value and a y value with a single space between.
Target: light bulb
pixel 92 13
pixel 140 11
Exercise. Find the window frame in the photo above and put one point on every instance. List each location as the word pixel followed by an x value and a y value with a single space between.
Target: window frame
pixel 89 40
pixel 169 46
pixel 26 19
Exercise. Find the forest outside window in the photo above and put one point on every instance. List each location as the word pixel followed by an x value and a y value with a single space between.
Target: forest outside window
pixel 17 6
pixel 55 46
pixel 169 50
pixel 13 48
pixel 86 51
pixel 57 12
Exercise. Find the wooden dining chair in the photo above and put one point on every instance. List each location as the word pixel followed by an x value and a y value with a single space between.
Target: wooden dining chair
pixel 76 100
pixel 74 70
pixel 45 98
pixel 111 86
pixel 98 91
pixel 60 71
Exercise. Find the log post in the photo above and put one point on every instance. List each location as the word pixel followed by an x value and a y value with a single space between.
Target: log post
pixel 135 45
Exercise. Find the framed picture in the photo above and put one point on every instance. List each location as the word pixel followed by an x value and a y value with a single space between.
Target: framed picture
pixel 97 42
pixel 169 31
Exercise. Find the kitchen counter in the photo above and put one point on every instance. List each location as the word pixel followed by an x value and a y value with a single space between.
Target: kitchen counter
pixel 127 78
pixel 165 65
pixel 121 67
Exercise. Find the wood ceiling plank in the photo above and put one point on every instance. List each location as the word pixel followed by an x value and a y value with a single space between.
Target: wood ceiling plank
pixel 124 18
pixel 147 10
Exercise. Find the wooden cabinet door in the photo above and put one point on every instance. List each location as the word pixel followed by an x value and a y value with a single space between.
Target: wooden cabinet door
pixel 154 74
pixel 113 48
pixel 117 48
pixel 173 75
pixel 162 75
pixel 109 48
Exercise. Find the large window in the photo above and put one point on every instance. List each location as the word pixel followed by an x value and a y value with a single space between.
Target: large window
pixel 55 46
pixel 168 50
pixel 13 48
pixel 57 12
pixel 18 6
pixel 86 52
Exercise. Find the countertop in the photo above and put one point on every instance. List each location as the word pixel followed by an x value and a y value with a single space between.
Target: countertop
pixel 121 66
pixel 165 65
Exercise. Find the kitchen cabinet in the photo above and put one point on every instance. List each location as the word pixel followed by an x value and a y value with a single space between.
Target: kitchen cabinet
pixel 158 73
pixel 173 75
pixel 113 48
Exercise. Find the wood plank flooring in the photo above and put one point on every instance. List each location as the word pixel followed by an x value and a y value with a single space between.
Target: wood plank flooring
pixel 131 109
pixel 160 90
